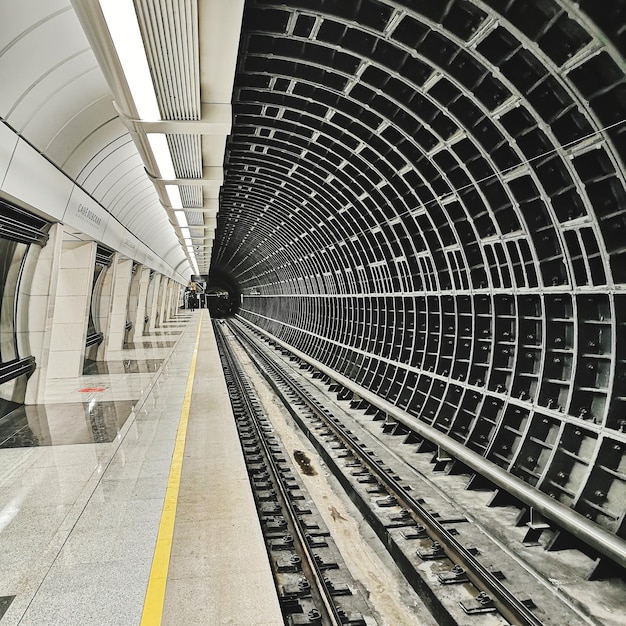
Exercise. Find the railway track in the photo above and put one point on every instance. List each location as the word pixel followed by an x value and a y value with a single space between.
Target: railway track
pixel 490 595
pixel 313 584
pixel 429 544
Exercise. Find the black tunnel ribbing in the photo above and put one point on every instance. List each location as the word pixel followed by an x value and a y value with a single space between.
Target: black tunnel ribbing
pixel 429 198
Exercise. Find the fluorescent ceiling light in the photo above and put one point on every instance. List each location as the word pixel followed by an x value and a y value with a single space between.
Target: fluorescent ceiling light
pixel 186 233
pixel 181 218
pixel 124 29
pixel 161 152
pixel 173 193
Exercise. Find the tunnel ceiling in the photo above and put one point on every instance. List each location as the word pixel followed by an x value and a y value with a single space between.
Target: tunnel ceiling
pixel 455 133
pixel 54 96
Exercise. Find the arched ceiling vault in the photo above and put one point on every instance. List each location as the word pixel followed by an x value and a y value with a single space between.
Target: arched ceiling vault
pixel 73 118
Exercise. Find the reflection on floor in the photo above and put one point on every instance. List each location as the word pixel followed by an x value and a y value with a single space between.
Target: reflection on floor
pixel 150 344
pixel 128 366
pixel 5 601
pixel 63 424
pixel 94 407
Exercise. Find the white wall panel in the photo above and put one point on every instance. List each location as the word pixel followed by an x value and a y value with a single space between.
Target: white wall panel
pixel 85 214
pixel 35 181
pixel 8 141
pixel 118 238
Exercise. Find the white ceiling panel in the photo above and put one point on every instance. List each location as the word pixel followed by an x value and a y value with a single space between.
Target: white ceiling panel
pixel 30 57
pixel 29 103
pixel 95 147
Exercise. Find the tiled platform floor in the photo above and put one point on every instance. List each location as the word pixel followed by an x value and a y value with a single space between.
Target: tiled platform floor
pixel 81 495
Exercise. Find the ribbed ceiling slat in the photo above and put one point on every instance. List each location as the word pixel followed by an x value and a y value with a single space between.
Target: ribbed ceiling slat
pixel 186 153
pixel 170 31
pixel 191 196
pixel 195 218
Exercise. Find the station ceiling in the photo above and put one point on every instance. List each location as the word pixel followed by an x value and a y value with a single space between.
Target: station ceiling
pixel 485 132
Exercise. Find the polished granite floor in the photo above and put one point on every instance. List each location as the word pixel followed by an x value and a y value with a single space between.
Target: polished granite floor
pixel 120 457
pixel 64 423
pixel 91 408
pixel 126 366
pixel 82 480
pixel 154 343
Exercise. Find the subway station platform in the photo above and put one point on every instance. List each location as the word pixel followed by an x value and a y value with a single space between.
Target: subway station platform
pixel 124 499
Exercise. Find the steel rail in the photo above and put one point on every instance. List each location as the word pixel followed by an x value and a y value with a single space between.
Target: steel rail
pixel 590 533
pixel 333 618
pixel 509 605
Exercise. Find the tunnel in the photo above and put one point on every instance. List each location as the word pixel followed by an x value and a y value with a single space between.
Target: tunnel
pixel 427 198
pixel 423 198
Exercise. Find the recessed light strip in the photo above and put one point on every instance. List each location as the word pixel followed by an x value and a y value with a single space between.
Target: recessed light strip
pixel 123 26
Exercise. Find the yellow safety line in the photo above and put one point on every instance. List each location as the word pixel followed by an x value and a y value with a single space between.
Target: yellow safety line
pixel 155 594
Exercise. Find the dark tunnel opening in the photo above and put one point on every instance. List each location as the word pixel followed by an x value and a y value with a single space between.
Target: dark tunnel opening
pixel 223 295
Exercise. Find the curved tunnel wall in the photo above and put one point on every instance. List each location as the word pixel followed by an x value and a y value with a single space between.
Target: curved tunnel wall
pixel 428 197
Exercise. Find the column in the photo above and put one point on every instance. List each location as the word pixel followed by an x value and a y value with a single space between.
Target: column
pixel 102 312
pixel 174 299
pixel 71 308
pixel 37 294
pixel 179 297
pixel 132 302
pixel 114 338
pixel 154 309
pixel 161 301
pixel 142 296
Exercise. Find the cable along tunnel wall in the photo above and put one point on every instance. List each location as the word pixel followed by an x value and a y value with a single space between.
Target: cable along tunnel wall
pixel 428 198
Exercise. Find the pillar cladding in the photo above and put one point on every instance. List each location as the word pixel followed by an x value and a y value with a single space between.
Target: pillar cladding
pixel 141 310
pixel 179 298
pixel 171 299
pixel 167 305
pixel 161 303
pixel 101 304
pixel 35 309
pixel 114 337
pixel 154 305
pixel 71 306
pixel 133 301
